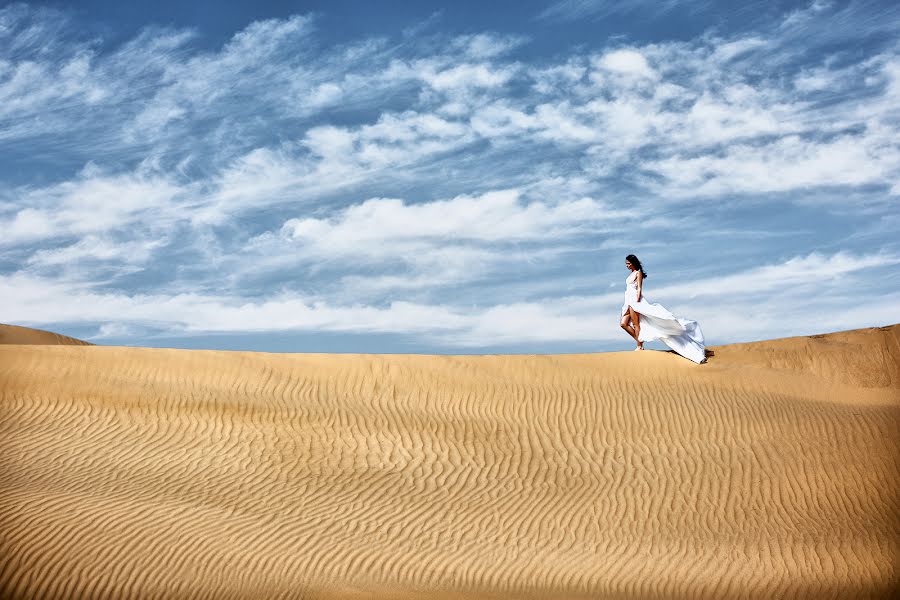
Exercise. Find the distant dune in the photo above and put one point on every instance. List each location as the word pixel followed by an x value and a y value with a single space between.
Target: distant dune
pixel 13 334
pixel 772 471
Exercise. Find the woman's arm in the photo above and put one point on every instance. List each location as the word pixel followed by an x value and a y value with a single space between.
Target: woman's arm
pixel 639 279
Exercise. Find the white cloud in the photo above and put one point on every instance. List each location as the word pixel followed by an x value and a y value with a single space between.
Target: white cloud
pixel 547 80
pixel 574 10
pixel 802 16
pixel 93 247
pixel 815 271
pixel 466 76
pixel 28 223
pixel 422 246
pixel 727 51
pixel 61 80
pixel 627 62
pixel 484 46
pixel 59 83
pixel 328 159
pixel 93 202
pixel 786 164
pixel 814 80
pixel 560 123
pixel 249 61
pixel 499 119
pixel 379 225
pixel 570 10
pixel 114 330
pixel 33 299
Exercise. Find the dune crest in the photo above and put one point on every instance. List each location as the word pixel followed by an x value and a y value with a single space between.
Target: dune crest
pixel 770 471
pixel 14 334
pixel 859 357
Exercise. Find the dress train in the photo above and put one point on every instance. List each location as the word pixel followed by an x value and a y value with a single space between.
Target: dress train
pixel 684 336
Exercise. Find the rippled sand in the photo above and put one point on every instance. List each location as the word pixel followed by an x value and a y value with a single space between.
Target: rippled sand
pixel 771 471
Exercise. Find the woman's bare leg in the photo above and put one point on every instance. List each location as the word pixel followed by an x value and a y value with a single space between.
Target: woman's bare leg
pixel 636 319
pixel 626 325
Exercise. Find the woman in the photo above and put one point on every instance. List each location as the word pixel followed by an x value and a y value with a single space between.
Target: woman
pixel 646 322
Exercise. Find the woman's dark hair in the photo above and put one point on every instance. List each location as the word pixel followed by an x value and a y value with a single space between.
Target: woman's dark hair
pixel 636 264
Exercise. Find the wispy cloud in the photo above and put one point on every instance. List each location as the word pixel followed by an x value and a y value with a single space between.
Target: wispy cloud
pixel 92 202
pixel 572 10
pixel 814 271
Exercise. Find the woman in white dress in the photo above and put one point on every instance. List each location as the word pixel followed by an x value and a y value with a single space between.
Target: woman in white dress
pixel 646 321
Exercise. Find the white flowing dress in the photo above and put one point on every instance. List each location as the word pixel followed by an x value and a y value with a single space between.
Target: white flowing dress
pixel 657 323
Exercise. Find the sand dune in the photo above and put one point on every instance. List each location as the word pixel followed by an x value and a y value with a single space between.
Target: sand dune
pixel 13 334
pixel 772 471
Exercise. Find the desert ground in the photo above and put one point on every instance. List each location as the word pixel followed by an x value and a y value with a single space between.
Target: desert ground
pixel 771 471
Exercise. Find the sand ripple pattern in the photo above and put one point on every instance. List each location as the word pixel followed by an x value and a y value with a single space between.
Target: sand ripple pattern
pixel 154 473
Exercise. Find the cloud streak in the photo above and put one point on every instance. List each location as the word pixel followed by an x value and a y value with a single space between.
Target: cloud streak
pixel 572 10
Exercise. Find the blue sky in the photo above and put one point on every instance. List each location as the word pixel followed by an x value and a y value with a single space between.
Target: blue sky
pixel 446 178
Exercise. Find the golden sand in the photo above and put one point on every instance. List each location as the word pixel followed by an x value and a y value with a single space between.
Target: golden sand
pixel 772 471
pixel 13 334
